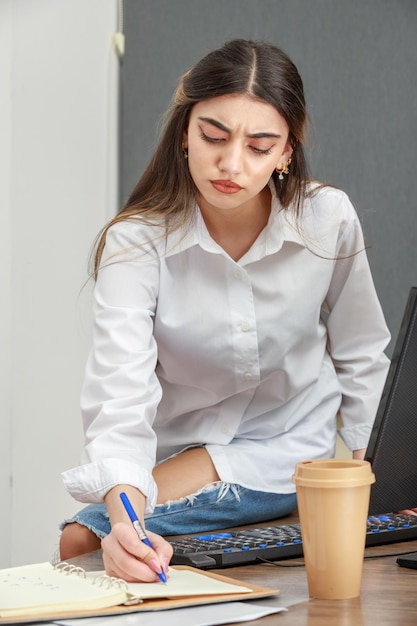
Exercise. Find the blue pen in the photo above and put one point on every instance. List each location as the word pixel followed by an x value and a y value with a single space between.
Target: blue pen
pixel 138 527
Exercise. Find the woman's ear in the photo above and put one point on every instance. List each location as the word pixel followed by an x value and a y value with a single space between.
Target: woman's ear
pixel 284 162
pixel 285 156
pixel 184 145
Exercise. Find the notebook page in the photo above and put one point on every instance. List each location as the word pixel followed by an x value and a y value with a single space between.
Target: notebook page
pixel 39 588
pixel 181 583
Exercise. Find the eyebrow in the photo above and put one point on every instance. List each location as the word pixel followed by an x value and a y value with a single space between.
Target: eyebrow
pixel 221 126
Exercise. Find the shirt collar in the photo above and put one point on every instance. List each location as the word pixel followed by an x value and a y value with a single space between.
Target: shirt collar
pixel 281 227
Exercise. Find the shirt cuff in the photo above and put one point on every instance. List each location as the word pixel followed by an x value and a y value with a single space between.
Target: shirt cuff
pixel 356 437
pixel 90 482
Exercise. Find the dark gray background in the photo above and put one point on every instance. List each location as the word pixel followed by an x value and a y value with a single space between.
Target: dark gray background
pixel 358 61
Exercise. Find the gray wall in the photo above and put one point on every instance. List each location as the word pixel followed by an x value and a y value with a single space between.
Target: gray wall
pixel 358 60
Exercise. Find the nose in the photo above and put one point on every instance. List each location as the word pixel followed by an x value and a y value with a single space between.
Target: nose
pixel 231 158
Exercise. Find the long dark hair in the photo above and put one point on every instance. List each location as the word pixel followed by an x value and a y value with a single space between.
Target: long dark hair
pixel 260 70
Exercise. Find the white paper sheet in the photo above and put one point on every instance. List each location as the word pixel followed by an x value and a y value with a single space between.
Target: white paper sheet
pixel 207 615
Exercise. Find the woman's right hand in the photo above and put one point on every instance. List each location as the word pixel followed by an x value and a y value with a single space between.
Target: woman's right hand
pixel 126 556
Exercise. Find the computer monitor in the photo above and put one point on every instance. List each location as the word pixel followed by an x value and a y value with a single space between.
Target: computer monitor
pixel 392 448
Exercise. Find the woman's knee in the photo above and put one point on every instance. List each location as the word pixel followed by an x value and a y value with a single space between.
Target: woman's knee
pixel 76 540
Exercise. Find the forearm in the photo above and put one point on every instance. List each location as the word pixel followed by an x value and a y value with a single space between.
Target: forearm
pixel 115 508
pixel 359 454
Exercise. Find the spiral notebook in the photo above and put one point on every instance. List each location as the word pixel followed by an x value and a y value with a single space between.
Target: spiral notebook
pixel 45 592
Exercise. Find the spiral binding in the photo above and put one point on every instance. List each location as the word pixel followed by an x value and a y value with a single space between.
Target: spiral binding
pixel 108 582
pixel 67 569
pixel 105 581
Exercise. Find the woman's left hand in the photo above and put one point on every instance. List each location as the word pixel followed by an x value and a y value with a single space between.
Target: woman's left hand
pixel 409 511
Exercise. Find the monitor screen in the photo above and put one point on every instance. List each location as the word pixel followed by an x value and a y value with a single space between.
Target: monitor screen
pixel 392 448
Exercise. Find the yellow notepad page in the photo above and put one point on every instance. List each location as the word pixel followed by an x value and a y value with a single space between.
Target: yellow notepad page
pixel 42 588
pixel 180 583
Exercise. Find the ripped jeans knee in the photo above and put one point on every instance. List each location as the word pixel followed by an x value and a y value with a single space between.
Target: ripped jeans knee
pixel 219 489
pixel 215 506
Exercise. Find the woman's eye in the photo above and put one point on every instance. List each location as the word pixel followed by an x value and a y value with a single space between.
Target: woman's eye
pixel 260 150
pixel 211 139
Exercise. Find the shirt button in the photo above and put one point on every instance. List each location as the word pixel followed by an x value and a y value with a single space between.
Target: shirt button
pixel 238 274
pixel 248 375
pixel 224 428
pixel 244 327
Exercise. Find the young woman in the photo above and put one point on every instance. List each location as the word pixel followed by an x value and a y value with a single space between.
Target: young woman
pixel 235 317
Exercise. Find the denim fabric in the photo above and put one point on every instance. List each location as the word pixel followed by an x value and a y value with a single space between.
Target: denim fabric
pixel 221 505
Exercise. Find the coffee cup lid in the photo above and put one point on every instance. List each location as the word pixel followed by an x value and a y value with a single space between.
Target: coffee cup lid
pixel 328 473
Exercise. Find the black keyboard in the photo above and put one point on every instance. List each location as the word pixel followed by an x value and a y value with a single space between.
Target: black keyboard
pixel 226 549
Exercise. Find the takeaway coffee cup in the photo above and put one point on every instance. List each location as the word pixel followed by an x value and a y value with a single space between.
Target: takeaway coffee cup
pixel 333 500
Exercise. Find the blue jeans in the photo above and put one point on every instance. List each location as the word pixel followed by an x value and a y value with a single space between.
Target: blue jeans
pixel 216 506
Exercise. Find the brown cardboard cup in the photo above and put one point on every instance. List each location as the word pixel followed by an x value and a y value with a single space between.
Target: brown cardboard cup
pixel 333 500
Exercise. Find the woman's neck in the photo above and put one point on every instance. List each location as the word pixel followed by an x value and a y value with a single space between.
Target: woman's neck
pixel 236 230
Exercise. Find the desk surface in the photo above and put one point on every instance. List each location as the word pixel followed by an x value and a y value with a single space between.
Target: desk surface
pixel 388 593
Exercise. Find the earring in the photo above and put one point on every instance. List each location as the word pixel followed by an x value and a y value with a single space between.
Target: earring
pixel 283 170
pixel 184 150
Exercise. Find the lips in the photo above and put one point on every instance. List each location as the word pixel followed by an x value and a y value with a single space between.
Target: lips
pixel 225 186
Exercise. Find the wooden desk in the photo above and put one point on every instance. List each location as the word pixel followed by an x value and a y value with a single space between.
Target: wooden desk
pixel 388 595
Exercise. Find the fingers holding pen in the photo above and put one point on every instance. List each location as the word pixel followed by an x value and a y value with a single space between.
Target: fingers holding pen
pixel 126 557
pixel 142 536
pixel 123 555
pixel 163 550
pixel 130 552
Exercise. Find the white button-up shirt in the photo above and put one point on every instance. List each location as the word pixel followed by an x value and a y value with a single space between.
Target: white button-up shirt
pixel 252 359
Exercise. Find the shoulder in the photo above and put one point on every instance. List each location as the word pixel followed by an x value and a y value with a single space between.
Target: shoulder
pixel 327 208
pixel 139 236
pixel 136 228
pixel 329 202
pixel 130 238
pixel 328 218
